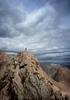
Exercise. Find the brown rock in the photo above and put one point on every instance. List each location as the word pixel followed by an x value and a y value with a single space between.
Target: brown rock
pixel 27 80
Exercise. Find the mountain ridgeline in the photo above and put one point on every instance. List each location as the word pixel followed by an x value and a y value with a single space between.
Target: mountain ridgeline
pixel 22 78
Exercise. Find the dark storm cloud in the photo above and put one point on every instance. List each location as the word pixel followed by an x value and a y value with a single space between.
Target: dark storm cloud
pixel 33 4
pixel 39 25
pixel 9 17
pixel 63 6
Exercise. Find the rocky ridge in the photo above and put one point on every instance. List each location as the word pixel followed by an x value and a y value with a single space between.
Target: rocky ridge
pixel 22 78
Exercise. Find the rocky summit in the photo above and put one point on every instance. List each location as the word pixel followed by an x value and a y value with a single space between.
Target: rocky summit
pixel 22 78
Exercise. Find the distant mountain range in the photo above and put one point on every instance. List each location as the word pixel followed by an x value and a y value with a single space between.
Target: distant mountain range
pixel 55 56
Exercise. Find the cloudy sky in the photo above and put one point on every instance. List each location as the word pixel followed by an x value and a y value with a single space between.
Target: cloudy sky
pixel 39 25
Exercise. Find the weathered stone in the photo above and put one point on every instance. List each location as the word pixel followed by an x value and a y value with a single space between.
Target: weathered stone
pixel 24 79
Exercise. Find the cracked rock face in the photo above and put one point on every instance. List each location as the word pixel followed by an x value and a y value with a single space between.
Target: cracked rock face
pixel 23 79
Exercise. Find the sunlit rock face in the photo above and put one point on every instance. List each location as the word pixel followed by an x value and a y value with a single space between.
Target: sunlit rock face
pixel 24 79
pixel 6 76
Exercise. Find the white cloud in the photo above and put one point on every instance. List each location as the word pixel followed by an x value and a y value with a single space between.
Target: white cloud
pixel 39 30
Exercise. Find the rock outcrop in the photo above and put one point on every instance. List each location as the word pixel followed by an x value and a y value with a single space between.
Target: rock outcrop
pixel 22 78
pixel 61 74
